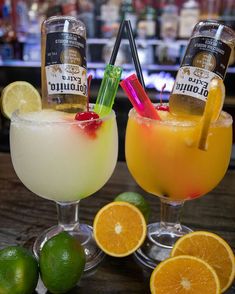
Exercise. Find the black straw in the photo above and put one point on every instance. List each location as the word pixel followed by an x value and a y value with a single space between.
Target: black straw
pixel 117 43
pixel 134 52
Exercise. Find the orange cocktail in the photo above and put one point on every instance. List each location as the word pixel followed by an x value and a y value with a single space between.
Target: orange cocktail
pixel 164 159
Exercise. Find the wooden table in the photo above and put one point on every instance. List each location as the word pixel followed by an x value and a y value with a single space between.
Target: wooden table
pixel 23 216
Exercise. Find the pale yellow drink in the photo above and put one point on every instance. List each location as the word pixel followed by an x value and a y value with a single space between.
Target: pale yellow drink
pixel 165 161
pixel 56 158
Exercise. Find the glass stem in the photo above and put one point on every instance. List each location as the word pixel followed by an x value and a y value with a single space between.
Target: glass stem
pixel 171 214
pixel 68 215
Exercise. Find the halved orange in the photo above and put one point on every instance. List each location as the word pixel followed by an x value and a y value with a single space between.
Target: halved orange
pixel 119 228
pixel 184 275
pixel 212 249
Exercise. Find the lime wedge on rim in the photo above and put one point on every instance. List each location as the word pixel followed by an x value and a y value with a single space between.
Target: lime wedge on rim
pixel 20 96
pixel 214 104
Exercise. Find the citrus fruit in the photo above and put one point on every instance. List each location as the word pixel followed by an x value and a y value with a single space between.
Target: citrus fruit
pixel 18 271
pixel 62 262
pixel 136 199
pixel 212 249
pixel 214 104
pixel 184 274
pixel 119 228
pixel 20 96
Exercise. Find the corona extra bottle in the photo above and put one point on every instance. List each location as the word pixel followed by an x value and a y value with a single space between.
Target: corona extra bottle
pixel 64 73
pixel 207 56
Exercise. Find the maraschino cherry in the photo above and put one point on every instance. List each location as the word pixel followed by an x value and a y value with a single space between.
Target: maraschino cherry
pixel 92 118
pixel 162 107
pixel 86 115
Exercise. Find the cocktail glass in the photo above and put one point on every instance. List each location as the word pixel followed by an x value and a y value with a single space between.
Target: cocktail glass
pixel 165 161
pixel 64 160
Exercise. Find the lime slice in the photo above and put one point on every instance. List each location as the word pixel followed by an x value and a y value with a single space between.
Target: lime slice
pixel 20 96
pixel 214 104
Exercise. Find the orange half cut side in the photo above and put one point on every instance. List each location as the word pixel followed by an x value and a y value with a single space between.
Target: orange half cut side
pixel 119 228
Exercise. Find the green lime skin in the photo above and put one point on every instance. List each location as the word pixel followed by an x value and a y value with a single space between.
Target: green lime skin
pixel 19 271
pixel 62 262
pixel 136 199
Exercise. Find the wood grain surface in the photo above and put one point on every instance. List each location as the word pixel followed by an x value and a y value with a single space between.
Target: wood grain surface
pixel 23 216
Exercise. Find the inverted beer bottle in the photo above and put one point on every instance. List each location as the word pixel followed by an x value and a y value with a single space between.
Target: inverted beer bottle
pixel 207 56
pixel 64 73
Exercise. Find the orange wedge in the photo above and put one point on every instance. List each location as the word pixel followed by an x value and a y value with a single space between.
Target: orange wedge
pixel 214 104
pixel 119 228
pixel 184 275
pixel 212 249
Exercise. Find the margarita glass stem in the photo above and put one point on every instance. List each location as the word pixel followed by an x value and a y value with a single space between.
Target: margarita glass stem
pixel 68 220
pixel 170 227
pixel 67 213
pixel 171 213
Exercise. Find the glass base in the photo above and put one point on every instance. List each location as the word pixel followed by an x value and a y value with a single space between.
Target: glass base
pixel 84 234
pixel 158 243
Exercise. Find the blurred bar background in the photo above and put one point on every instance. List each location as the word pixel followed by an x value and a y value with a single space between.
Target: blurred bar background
pixel 161 27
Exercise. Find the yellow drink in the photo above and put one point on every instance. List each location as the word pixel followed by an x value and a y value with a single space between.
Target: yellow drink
pixel 65 160
pixel 164 159
pixel 56 159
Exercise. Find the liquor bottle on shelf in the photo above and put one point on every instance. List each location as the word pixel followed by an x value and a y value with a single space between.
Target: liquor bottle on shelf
pixel 169 20
pixel 108 48
pixel 228 13
pixel 97 17
pixel 64 74
pixel 206 57
pixel 69 7
pixel 150 18
pixel 210 9
pixel 31 49
pixel 145 51
pixel 228 18
pixel 127 11
pixel 109 14
pixel 86 15
pixel 159 7
pixel 168 51
pixel 20 19
pixel 54 8
pixel 7 33
pixel 189 17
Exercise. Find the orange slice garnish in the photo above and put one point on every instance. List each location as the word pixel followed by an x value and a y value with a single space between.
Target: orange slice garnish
pixel 214 104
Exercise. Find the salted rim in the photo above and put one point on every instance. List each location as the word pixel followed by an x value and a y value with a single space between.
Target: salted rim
pixel 19 118
pixel 226 120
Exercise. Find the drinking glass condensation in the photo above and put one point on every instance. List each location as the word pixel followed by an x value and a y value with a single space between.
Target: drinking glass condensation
pixel 56 158
pixel 164 159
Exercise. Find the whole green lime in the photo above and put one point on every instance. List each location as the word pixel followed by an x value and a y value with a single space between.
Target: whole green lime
pixel 18 271
pixel 136 199
pixel 62 261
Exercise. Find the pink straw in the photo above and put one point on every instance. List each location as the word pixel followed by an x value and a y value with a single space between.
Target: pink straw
pixel 138 97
